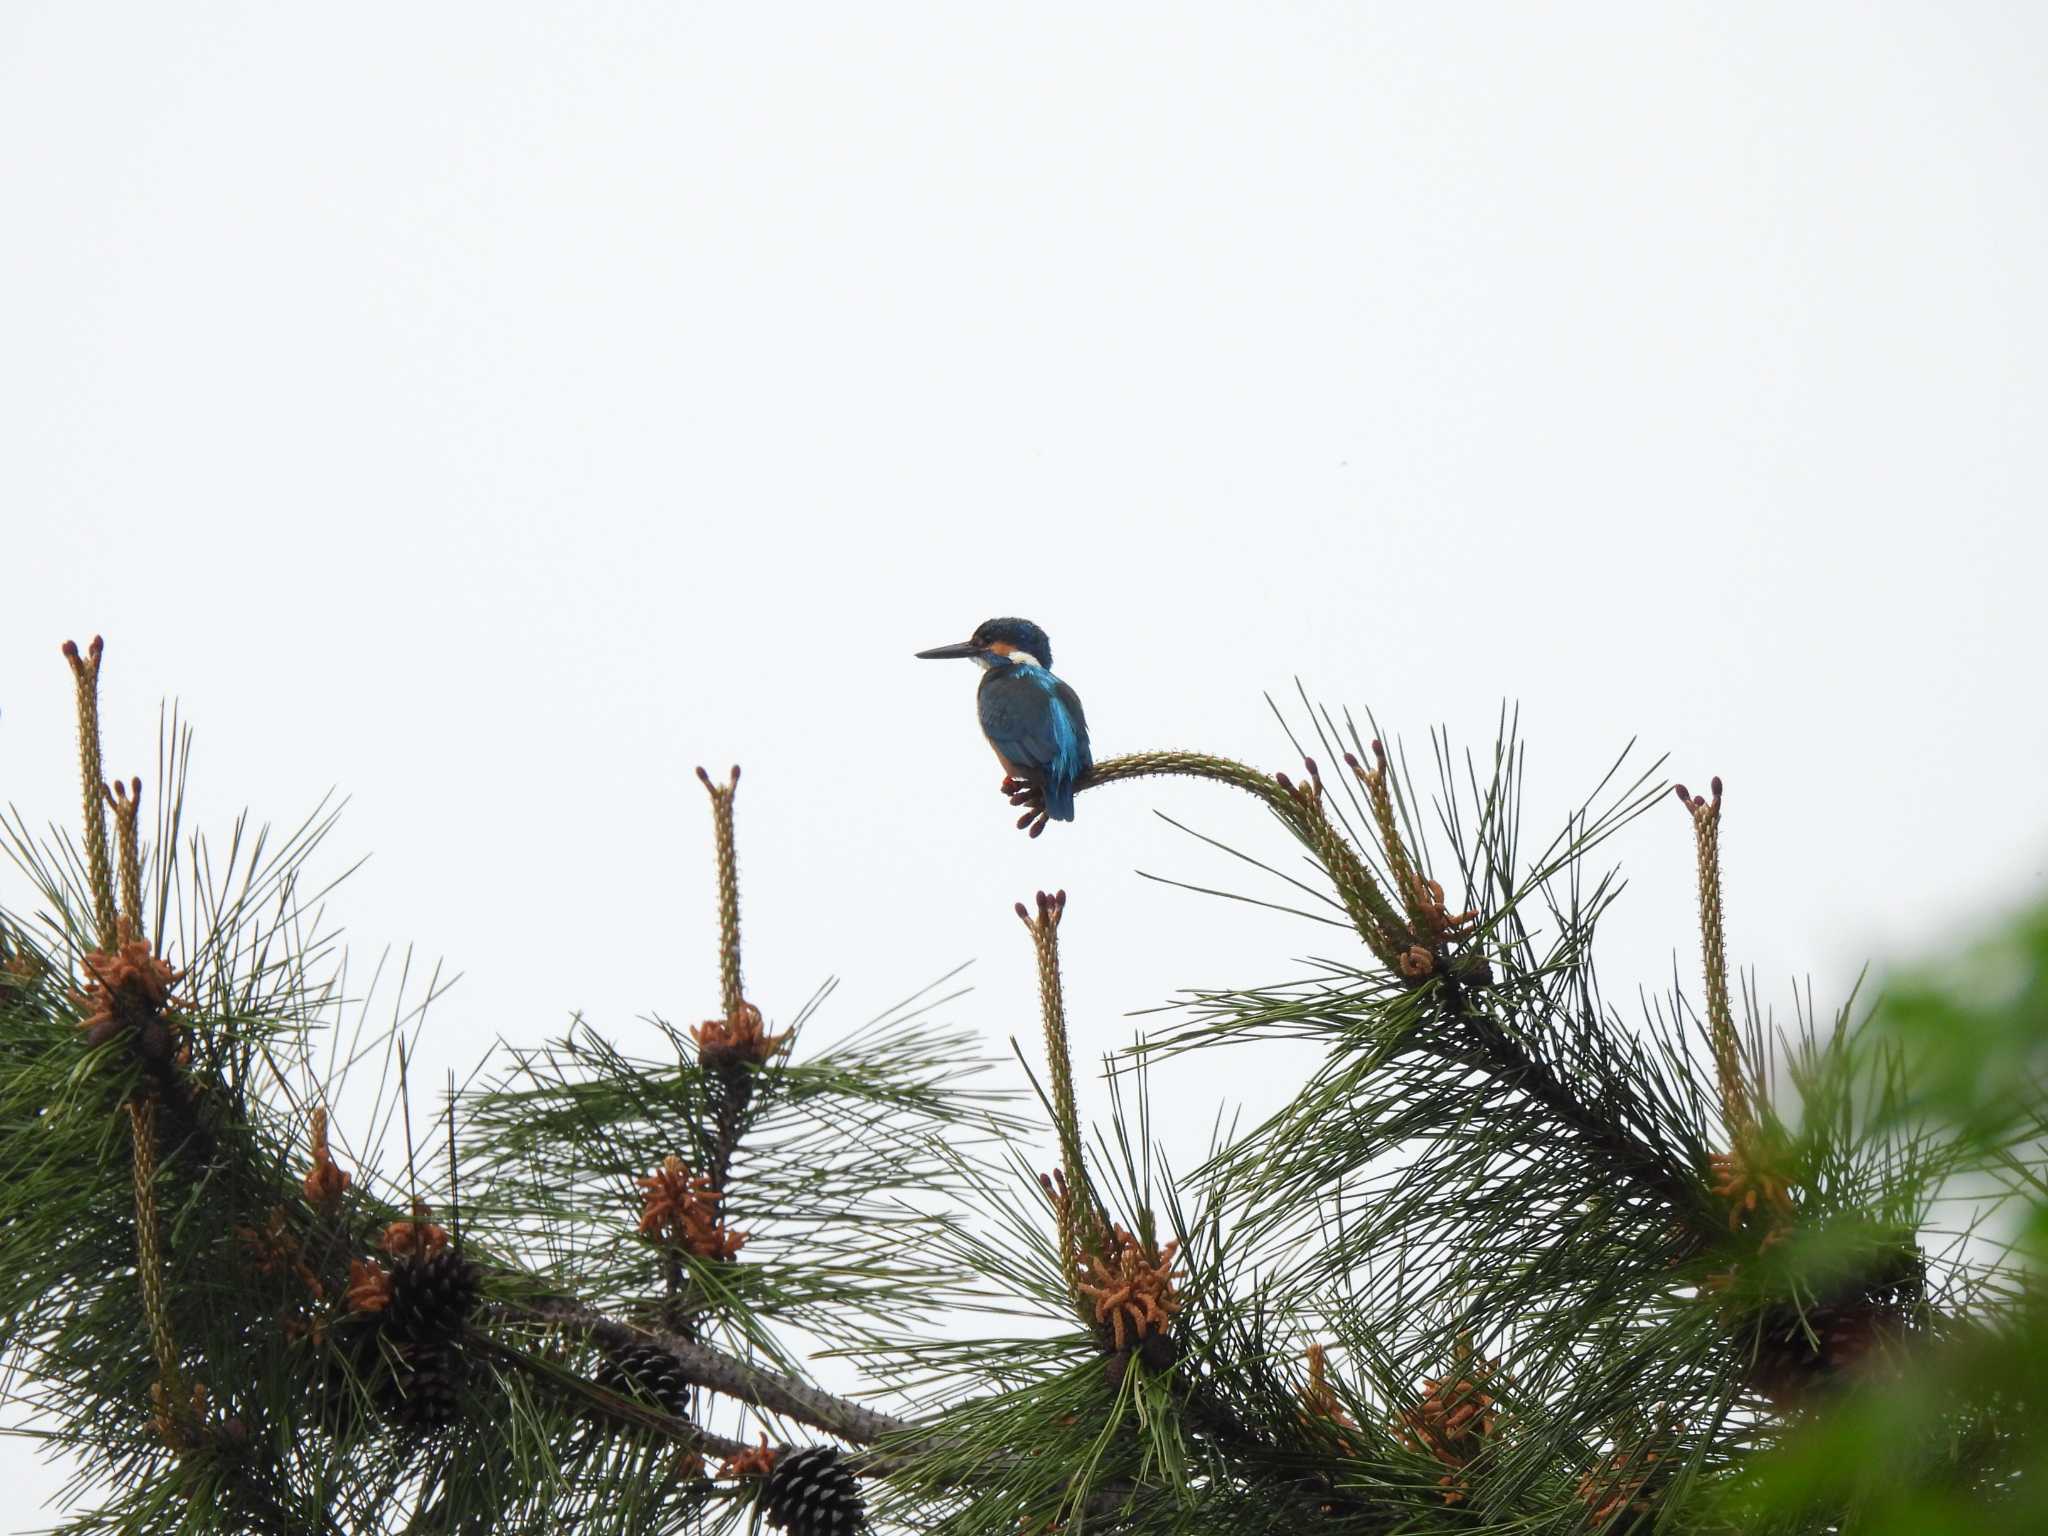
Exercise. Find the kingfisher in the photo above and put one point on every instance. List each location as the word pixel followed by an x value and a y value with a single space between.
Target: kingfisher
pixel 1031 718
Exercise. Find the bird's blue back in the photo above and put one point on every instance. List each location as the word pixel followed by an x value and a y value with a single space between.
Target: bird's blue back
pixel 1034 722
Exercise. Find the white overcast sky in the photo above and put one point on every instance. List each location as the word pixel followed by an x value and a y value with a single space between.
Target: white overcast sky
pixel 495 411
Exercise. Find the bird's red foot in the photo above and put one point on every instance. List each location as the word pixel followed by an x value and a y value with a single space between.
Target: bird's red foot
pixel 1032 797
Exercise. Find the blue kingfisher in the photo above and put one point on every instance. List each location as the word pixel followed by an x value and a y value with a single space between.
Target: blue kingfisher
pixel 1031 718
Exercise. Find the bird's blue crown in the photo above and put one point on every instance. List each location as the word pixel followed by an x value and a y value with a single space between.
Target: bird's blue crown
pixel 1014 635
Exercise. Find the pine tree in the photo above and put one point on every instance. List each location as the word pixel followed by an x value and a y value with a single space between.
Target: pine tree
pixel 1508 1261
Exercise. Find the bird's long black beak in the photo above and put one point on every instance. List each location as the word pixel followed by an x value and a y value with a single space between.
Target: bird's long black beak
pixel 950 652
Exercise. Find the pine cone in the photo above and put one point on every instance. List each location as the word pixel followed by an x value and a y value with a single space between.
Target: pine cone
pixel 649 1374
pixel 1801 1350
pixel 428 1394
pixel 812 1493
pixel 430 1299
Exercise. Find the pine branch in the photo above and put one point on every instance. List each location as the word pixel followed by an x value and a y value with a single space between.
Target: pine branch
pixel 1503 1059
pixel 712 1368
pixel 624 1410
pixel 1300 809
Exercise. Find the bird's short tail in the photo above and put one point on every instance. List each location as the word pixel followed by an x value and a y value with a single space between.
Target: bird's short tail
pixel 1059 798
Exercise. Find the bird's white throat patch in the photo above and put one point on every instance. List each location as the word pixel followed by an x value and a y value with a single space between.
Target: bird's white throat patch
pixel 1014 658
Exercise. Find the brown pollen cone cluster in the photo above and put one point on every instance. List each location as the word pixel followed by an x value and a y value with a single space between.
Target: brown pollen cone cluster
pixel 1422 950
pixel 1130 1286
pixel 1615 1487
pixel 19 972
pixel 273 1249
pixel 1319 1402
pixel 415 1239
pixel 1455 1417
pixel 758 1462
pixel 741 1038
pixel 681 1209
pixel 1433 925
pixel 186 1423
pixel 369 1286
pixel 1758 1200
pixel 325 1180
pixel 1760 1204
pixel 126 992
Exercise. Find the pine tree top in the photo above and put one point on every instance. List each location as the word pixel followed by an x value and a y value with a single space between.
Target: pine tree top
pixel 1508 1260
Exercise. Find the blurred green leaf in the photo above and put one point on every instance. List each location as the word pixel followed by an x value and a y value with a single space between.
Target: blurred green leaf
pixel 1952 1440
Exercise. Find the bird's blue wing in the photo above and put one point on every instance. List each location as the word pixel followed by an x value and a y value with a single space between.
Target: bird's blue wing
pixel 1074 759
pixel 1034 722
